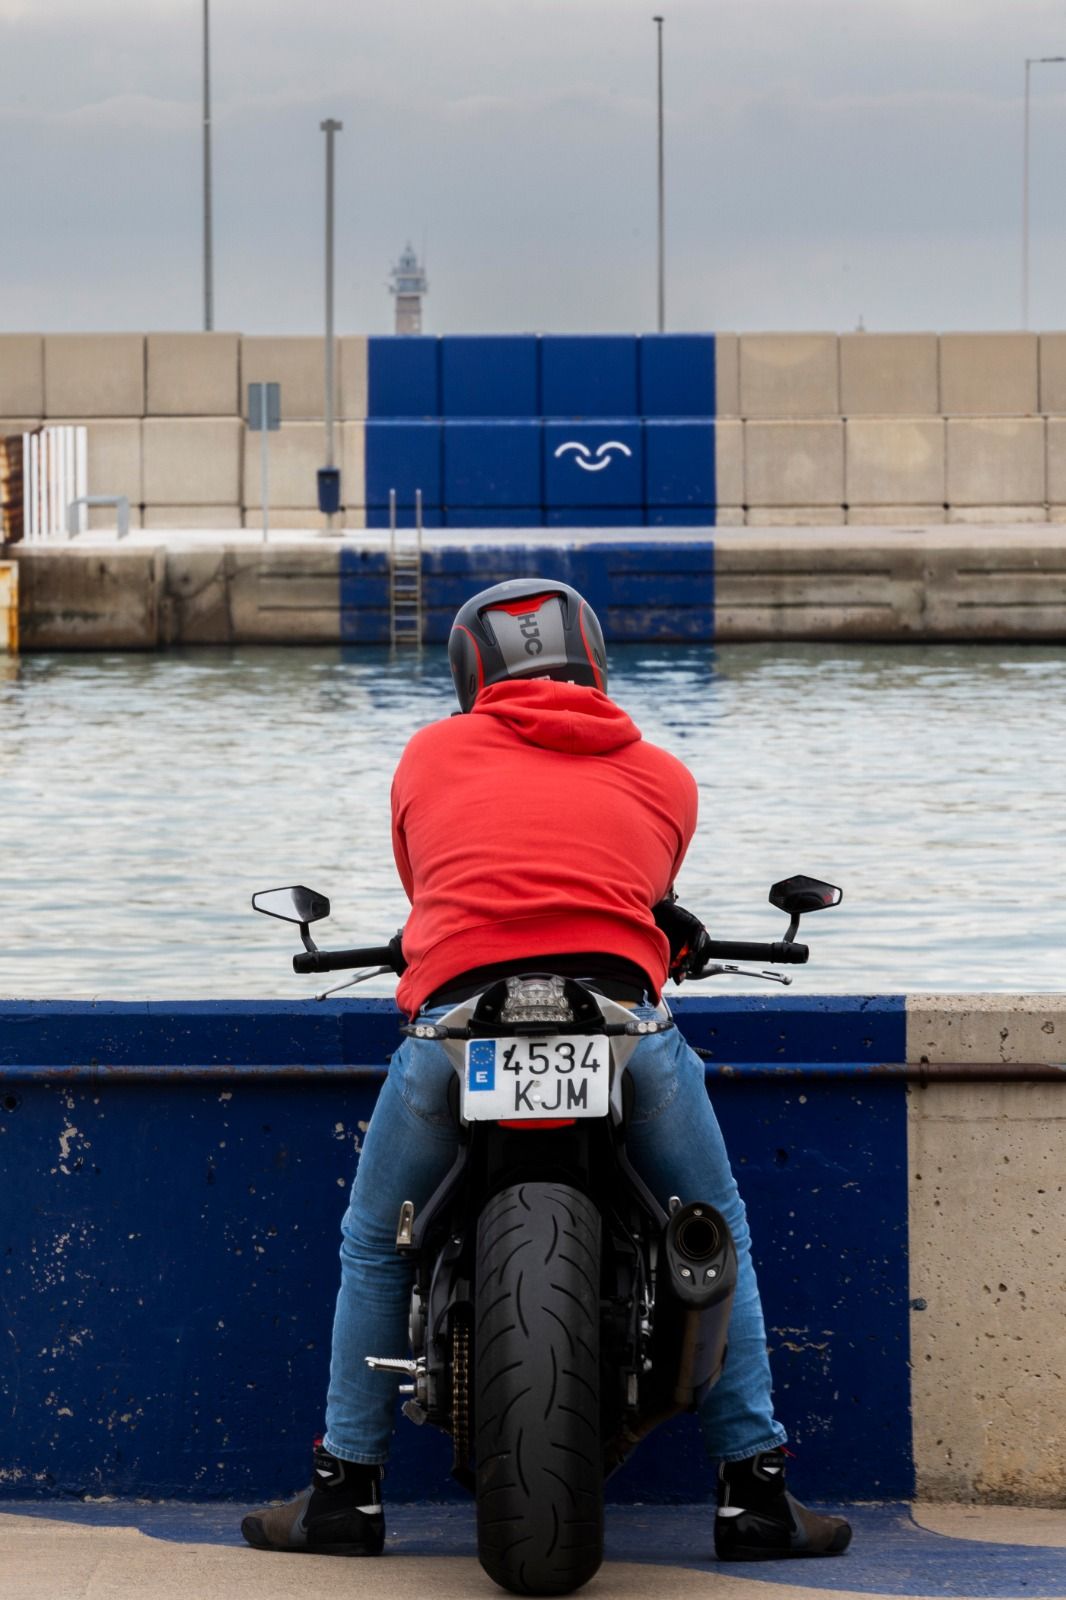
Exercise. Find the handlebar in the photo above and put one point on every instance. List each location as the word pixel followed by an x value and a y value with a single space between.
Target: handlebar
pixel 742 950
pixel 375 955
pixel 384 955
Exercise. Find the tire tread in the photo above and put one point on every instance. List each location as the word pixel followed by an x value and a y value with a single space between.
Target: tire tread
pixel 539 1474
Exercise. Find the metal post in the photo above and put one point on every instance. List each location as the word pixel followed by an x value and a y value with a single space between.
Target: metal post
pixel 330 127
pixel 1030 61
pixel 1025 204
pixel 264 486
pixel 658 21
pixel 209 286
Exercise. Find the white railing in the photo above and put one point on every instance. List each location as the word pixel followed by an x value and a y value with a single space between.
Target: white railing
pixel 54 473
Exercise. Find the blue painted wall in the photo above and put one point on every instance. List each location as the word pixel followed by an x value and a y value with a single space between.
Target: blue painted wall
pixel 174 1177
pixel 662 592
pixel 477 424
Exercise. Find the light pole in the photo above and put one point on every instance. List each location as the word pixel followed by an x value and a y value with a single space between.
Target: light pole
pixel 209 286
pixel 1030 62
pixel 658 21
pixel 331 127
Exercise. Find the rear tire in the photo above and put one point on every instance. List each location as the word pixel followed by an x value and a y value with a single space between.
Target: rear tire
pixel 537 1389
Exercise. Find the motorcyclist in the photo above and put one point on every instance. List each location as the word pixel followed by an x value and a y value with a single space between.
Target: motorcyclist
pixel 537 826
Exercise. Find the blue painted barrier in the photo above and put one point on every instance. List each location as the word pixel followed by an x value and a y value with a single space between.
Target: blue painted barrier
pixel 404 456
pixel 179 1171
pixel 494 517
pixel 677 375
pixel 594 466
pixel 632 417
pixel 639 591
pixel 493 465
pixel 490 375
pixel 588 375
pixel 403 376
pixel 679 465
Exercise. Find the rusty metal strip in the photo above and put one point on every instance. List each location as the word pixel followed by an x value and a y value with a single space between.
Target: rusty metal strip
pixel 216 1071
pixel 900 1071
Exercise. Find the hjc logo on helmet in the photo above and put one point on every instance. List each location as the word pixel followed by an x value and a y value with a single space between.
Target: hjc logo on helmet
pixel 530 631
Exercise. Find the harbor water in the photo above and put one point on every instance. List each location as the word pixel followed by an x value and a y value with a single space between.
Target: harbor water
pixel 146 796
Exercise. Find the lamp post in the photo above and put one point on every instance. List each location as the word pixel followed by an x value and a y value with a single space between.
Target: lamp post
pixel 331 127
pixel 1030 62
pixel 658 21
pixel 209 286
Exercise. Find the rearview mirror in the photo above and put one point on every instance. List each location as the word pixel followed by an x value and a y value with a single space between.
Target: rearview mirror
pixel 797 895
pixel 294 904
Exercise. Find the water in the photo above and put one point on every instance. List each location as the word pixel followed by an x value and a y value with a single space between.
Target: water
pixel 144 798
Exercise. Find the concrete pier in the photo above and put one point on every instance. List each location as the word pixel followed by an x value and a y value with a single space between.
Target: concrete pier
pixel 909 584
pixel 127 1550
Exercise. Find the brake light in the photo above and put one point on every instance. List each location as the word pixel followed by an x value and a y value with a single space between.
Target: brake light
pixel 539 1122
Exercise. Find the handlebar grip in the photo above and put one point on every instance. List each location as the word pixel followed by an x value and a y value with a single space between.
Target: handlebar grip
pixel 741 950
pixel 377 955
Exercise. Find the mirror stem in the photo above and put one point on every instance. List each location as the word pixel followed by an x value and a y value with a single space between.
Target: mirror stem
pixel 305 935
pixel 793 928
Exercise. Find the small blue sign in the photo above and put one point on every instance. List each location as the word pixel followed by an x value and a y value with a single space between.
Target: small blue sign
pixel 481 1064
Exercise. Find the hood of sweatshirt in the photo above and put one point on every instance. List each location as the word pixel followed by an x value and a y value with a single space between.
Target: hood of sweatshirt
pixel 570 717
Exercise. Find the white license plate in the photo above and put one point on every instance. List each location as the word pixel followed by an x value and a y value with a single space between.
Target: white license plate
pixel 564 1075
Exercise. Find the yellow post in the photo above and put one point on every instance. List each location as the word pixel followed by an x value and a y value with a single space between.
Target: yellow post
pixel 9 606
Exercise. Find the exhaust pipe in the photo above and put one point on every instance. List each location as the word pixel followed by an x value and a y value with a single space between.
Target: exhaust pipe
pixel 693 1302
pixel 696 1282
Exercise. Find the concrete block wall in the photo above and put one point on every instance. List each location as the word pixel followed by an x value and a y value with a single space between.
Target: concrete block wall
pixel 987 1258
pixel 165 414
pixel 808 429
pixel 760 429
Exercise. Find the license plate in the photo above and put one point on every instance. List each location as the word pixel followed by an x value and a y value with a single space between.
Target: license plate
pixel 560 1076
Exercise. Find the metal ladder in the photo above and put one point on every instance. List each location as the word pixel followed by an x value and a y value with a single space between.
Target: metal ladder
pixel 405 579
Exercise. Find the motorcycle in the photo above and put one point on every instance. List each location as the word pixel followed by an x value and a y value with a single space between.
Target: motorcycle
pixel 558 1313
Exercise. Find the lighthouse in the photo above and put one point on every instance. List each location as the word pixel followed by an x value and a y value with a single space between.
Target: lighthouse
pixel 408 283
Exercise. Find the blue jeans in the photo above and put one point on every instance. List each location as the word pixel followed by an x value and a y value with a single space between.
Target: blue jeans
pixel 674 1143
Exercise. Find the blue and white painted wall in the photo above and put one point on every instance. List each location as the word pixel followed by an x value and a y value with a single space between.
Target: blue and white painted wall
pixel 175 1175
pixel 753 430
pixel 559 431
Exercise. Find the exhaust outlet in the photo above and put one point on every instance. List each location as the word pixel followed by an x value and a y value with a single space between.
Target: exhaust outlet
pixel 693 1301
pixel 695 1285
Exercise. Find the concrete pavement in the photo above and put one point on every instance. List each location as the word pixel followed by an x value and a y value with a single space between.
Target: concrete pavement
pixel 120 1550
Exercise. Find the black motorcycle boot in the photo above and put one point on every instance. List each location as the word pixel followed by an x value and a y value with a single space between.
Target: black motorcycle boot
pixel 338 1515
pixel 758 1520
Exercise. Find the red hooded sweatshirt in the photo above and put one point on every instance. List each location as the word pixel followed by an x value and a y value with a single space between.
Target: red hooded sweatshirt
pixel 540 824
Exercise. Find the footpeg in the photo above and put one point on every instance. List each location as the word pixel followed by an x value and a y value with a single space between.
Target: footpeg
pixel 405 1227
pixel 400 1364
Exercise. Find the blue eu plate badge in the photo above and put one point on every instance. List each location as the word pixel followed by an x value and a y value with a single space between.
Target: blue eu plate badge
pixel 481 1064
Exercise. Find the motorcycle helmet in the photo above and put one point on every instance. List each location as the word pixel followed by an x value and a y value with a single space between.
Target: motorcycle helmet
pixel 525 628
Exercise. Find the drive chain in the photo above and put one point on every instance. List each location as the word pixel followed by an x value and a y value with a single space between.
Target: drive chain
pixel 461 1391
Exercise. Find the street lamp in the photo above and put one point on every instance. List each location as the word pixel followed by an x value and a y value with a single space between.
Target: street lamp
pixel 658 21
pixel 1030 62
pixel 209 286
pixel 329 486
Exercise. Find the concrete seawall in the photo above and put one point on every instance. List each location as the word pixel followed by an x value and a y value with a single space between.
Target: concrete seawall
pixel 181 1169
pixel 759 429
pixel 905 584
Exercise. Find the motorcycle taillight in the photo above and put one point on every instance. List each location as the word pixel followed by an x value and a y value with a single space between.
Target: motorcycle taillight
pixel 538 999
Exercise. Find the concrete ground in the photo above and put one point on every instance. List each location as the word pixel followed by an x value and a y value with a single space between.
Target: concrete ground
pixel 121 1550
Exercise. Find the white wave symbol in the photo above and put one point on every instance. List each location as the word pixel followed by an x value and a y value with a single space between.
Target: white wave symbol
pixel 593 460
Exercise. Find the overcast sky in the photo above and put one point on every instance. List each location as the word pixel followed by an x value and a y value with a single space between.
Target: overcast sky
pixel 826 160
